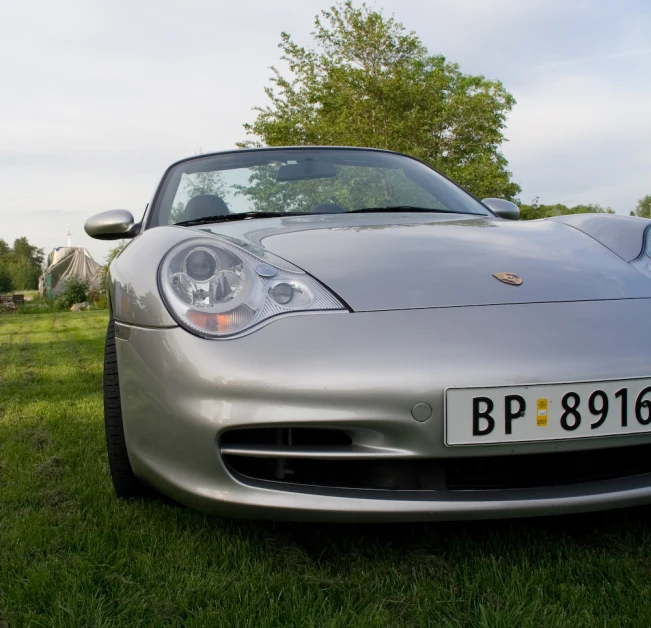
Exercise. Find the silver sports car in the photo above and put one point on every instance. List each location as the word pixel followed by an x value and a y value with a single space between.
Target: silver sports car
pixel 345 334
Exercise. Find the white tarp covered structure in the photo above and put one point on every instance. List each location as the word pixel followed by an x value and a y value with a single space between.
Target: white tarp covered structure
pixel 68 261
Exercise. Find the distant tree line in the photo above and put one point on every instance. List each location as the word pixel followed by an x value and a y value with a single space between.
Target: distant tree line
pixel 536 210
pixel 20 265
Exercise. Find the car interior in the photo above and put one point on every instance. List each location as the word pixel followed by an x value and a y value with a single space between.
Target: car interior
pixel 205 205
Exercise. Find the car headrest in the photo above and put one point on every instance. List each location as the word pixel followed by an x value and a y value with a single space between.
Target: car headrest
pixel 205 205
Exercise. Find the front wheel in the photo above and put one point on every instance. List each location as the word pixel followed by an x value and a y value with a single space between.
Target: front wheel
pixel 126 484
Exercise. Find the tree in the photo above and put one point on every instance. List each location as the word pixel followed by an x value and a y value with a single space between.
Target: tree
pixel 643 208
pixel 372 83
pixel 25 265
pixel 6 283
pixel 535 210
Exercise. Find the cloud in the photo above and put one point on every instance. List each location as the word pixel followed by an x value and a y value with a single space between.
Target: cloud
pixel 624 54
pixel 576 138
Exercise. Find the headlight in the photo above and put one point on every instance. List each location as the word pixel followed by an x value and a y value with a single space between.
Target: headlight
pixel 218 290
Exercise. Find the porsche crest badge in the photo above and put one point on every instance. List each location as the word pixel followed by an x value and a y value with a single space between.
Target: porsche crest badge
pixel 511 278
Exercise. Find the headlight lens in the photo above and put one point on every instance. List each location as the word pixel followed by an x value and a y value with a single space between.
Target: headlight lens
pixel 201 264
pixel 218 290
pixel 294 294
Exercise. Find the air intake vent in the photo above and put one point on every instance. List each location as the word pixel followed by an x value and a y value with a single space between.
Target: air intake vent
pixel 328 459
pixel 265 453
pixel 286 437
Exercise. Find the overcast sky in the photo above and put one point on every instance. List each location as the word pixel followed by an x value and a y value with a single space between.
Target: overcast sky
pixel 98 97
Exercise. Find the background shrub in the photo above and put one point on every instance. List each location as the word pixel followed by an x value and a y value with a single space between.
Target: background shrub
pixel 75 290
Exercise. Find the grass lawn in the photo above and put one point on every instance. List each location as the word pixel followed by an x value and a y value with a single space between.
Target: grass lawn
pixel 72 555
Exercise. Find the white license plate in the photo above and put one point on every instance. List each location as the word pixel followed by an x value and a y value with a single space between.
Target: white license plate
pixel 520 414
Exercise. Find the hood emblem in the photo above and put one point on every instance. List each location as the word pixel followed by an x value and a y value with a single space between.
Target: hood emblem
pixel 511 278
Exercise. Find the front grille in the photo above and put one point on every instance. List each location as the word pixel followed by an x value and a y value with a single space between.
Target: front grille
pixel 320 466
pixel 537 470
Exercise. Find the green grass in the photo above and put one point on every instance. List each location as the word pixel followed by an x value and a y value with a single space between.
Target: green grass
pixel 73 555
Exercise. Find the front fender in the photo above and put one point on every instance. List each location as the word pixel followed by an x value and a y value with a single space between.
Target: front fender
pixel 133 278
pixel 623 235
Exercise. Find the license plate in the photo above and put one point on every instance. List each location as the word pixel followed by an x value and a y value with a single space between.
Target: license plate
pixel 520 414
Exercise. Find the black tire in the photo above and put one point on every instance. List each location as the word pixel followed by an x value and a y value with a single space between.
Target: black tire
pixel 126 484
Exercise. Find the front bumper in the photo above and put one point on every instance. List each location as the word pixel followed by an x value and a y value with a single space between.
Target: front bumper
pixel 364 372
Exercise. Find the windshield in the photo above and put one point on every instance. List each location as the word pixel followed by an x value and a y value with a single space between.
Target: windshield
pixel 303 181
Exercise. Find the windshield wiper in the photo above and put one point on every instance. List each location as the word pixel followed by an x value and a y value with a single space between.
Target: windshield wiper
pixel 403 208
pixel 245 215
pixel 227 217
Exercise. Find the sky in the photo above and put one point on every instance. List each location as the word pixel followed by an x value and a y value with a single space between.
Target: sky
pixel 98 98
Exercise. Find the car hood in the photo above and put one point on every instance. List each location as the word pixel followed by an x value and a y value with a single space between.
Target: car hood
pixel 406 261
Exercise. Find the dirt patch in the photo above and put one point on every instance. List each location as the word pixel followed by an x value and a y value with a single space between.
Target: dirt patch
pixel 37 437
pixel 58 499
pixel 52 468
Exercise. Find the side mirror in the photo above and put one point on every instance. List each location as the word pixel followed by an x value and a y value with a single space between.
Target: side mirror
pixel 115 224
pixel 504 209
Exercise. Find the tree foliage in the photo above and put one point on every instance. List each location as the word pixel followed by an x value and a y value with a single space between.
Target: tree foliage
pixel 6 283
pixel 20 265
pixel 370 82
pixel 643 208
pixel 75 290
pixel 535 210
